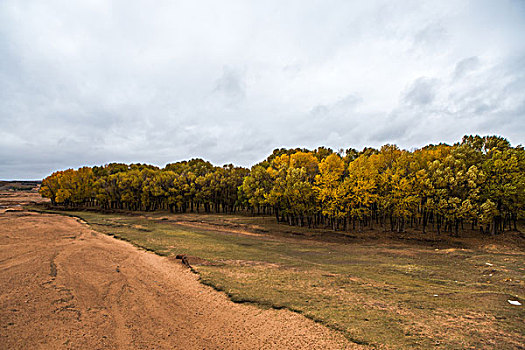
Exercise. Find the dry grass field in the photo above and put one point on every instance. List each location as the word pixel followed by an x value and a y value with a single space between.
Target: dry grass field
pixel 376 289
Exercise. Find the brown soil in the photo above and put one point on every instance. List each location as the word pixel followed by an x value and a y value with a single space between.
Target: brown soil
pixel 65 286
pixel 13 200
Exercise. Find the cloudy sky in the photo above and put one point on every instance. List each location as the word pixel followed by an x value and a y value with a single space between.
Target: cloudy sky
pixel 91 82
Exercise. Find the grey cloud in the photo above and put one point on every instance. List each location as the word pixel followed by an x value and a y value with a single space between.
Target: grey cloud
pixel 491 101
pixel 422 92
pixel 466 65
pixel 339 109
pixel 390 131
pixel 320 111
pixel 495 90
pixel 431 35
pixel 231 84
pixel 94 82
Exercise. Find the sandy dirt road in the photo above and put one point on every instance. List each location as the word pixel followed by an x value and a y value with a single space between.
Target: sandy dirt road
pixel 65 286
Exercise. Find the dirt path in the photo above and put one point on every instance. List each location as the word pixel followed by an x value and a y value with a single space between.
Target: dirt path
pixel 64 286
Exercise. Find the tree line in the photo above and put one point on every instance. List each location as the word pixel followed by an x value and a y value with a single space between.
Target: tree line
pixel 479 181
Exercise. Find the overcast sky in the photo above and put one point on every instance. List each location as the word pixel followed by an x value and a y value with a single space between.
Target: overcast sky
pixel 92 82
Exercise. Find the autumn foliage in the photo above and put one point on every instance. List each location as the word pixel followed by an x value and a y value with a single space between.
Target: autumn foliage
pixel 478 182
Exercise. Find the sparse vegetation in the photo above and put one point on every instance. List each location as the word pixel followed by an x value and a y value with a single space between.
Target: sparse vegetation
pixel 379 289
pixel 19 185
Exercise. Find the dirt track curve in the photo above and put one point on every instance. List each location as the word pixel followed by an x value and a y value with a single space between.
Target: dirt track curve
pixel 65 286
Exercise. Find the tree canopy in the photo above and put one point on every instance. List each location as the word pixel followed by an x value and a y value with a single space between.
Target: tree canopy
pixel 479 181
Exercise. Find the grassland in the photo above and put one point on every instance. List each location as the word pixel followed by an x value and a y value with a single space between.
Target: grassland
pixel 386 292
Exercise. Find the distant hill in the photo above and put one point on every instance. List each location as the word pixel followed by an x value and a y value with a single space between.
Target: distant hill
pixel 19 185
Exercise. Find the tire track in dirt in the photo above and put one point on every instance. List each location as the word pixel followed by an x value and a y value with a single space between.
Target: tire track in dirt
pixel 80 289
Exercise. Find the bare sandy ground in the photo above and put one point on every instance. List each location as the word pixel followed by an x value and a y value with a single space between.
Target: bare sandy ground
pixel 64 286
